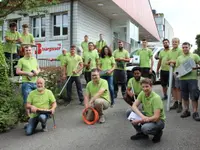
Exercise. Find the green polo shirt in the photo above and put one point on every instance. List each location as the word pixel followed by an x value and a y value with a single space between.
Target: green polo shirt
pixel 27 38
pixel 163 56
pixel 72 64
pixel 27 65
pixel 145 56
pixel 136 85
pixel 62 58
pixel 120 54
pixel 100 44
pixel 174 54
pixel 84 46
pixel 93 56
pixel 40 100
pixel 151 103
pixel 11 47
pixel 181 59
pixel 92 89
pixel 107 63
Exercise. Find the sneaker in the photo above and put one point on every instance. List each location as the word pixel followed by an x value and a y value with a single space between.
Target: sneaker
pixel 44 129
pixel 102 119
pixel 195 116
pixel 157 137
pixel 174 106
pixel 185 114
pixel 165 97
pixel 139 136
pixel 180 108
pixel 81 103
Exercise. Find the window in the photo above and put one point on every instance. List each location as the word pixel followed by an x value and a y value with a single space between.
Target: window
pixel 38 27
pixel 160 27
pixel 18 22
pixel 60 25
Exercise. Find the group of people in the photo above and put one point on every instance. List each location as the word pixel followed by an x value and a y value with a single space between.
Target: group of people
pixel 104 71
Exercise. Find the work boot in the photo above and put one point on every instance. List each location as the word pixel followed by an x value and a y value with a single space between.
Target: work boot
pixel 185 114
pixel 180 108
pixel 102 119
pixel 195 116
pixel 157 137
pixel 139 136
pixel 174 106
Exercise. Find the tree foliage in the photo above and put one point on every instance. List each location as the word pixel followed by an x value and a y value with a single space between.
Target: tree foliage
pixel 24 6
pixel 197 51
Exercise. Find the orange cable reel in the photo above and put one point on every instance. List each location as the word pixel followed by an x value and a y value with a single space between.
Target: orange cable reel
pixel 84 116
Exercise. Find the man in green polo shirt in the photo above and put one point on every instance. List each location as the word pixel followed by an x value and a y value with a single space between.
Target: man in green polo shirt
pixel 121 57
pixel 28 68
pixel 12 38
pixel 164 72
pixel 39 99
pixel 72 68
pixel 189 83
pixel 62 57
pixel 173 54
pixel 97 96
pixel 84 44
pixel 90 60
pixel 100 44
pixel 151 120
pixel 27 38
pixel 134 87
pixel 145 59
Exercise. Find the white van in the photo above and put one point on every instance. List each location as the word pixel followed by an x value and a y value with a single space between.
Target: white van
pixel 154 77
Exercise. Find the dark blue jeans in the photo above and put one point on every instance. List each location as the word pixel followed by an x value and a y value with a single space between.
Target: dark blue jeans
pixel 33 122
pixel 27 87
pixel 111 87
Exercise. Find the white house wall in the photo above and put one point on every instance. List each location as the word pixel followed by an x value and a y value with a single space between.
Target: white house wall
pixel 92 23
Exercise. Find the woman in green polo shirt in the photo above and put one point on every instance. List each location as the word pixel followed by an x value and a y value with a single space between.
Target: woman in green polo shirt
pixel 107 66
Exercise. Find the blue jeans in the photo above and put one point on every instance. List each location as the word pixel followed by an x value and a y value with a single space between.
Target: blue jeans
pixel 27 87
pixel 33 122
pixel 111 87
pixel 151 128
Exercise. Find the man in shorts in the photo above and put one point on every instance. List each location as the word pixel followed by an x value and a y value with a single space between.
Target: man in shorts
pixel 164 72
pixel 189 83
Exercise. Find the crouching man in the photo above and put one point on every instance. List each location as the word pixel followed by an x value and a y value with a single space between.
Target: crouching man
pixel 152 119
pixel 40 98
pixel 134 87
pixel 97 96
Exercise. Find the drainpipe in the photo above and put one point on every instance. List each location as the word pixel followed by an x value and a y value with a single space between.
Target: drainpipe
pixel 71 21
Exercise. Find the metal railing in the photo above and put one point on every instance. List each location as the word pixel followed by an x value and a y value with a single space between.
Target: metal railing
pixel 43 62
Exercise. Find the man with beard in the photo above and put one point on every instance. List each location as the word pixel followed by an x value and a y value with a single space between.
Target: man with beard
pixel 151 120
pixel 134 87
pixel 40 99
pixel 121 57
pixel 164 72
pixel 97 96
pixel 145 58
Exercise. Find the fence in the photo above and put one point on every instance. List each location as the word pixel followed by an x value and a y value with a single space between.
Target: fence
pixel 46 63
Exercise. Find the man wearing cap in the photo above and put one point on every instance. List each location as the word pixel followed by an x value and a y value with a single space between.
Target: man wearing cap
pixel 84 44
pixel 12 38
pixel 27 38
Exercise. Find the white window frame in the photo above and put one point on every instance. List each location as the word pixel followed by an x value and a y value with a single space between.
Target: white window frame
pixel 19 25
pixel 40 27
pixel 61 24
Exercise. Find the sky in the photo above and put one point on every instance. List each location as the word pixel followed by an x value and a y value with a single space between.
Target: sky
pixel 183 15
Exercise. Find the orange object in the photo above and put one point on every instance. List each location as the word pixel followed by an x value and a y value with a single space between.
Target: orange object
pixel 96 116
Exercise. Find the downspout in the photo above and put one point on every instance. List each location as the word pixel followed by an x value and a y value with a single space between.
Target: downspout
pixel 71 21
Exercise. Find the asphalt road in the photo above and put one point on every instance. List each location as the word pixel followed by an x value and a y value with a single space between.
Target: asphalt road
pixel 72 134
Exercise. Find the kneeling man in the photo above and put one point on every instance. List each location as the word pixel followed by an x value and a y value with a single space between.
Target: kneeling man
pixel 152 120
pixel 40 98
pixel 97 96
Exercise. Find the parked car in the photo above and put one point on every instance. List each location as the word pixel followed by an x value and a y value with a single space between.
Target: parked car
pixel 154 77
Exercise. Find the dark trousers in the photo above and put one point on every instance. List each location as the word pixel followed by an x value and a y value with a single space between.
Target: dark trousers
pixel 120 79
pixel 87 76
pixel 77 81
pixel 145 72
